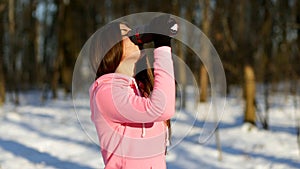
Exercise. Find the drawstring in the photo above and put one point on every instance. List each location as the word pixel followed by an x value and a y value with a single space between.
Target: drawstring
pixel 143 130
pixel 167 136
pixel 139 93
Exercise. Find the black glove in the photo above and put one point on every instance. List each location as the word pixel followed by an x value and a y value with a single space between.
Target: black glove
pixel 160 30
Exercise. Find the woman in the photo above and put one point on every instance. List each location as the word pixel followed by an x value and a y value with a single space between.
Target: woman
pixel 130 119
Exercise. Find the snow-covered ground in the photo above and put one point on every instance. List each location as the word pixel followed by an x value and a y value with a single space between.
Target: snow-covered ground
pixel 48 135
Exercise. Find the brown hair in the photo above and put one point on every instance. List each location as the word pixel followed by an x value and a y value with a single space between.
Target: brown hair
pixel 145 79
pixel 110 50
pixel 106 49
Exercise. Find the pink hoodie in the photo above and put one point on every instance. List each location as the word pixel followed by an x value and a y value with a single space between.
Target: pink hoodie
pixel 131 129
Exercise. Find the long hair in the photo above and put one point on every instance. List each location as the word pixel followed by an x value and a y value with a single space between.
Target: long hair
pixel 145 80
pixel 107 50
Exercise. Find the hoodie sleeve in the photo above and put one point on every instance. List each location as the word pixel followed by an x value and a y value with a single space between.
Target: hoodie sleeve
pixel 120 104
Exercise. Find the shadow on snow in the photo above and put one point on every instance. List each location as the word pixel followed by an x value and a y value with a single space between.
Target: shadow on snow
pixel 38 157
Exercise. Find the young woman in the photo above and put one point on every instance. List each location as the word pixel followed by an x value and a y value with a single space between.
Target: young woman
pixel 131 110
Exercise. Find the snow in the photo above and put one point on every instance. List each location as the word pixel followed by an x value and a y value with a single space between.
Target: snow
pixel 48 135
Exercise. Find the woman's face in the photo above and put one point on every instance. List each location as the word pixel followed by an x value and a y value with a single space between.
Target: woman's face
pixel 130 50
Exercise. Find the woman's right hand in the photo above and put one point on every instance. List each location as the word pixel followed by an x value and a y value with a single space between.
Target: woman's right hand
pixel 160 28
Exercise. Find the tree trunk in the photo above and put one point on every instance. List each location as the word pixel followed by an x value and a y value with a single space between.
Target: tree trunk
pixel 266 33
pixel 57 63
pixel 203 84
pixel 205 52
pixel 297 69
pixel 298 24
pixel 70 41
pixel 182 81
pixel 12 49
pixel 2 78
pixel 249 94
pixel 33 35
pixel 47 74
pixel 182 74
pixel 30 69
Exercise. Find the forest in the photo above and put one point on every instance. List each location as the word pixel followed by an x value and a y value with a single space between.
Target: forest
pixel 257 41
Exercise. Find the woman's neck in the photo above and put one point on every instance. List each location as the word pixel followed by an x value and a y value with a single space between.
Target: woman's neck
pixel 126 67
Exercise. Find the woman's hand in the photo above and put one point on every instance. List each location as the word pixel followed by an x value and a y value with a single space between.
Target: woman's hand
pixel 160 28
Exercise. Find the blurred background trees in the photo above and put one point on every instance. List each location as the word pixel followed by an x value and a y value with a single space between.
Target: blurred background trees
pixel 258 42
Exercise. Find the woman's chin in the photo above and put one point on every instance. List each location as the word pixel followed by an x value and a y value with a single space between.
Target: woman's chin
pixel 136 55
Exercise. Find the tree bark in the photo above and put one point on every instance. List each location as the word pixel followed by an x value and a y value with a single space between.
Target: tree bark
pixel 13 50
pixel 2 78
pixel 57 63
pixel 297 69
pixel 182 80
pixel 205 52
pixel 249 87
pixel 298 25
pixel 203 84
pixel 33 36
pixel 266 33
pixel 182 74
pixel 30 60
pixel 245 52
pixel 70 41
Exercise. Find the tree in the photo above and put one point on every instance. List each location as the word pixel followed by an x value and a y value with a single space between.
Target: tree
pixel 2 78
pixel 237 47
pixel 298 25
pixel 205 52
pixel 182 81
pixel 249 88
pixel 30 54
pixel 266 42
pixel 71 37
pixel 13 48
pixel 297 70
pixel 245 51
